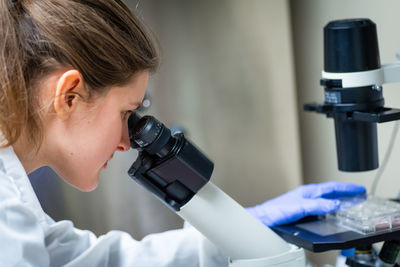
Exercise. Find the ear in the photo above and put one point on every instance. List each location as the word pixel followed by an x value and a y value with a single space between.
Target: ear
pixel 69 87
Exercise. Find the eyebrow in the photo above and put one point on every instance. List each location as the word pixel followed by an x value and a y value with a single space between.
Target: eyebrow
pixel 136 104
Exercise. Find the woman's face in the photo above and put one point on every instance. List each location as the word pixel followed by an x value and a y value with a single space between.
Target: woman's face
pixel 79 148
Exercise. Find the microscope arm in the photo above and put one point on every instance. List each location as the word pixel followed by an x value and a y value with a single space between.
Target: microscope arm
pixel 239 235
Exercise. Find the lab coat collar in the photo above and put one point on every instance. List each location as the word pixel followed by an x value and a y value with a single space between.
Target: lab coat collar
pixel 12 167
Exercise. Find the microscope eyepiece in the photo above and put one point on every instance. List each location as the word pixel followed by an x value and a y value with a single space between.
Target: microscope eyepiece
pixel 150 134
pixel 146 131
pixel 170 166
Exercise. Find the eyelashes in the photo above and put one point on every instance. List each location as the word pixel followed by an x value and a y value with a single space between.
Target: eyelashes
pixel 126 114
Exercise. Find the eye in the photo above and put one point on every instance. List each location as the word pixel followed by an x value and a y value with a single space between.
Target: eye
pixel 125 114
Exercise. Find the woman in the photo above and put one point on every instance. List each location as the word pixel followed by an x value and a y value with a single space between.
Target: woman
pixel 71 73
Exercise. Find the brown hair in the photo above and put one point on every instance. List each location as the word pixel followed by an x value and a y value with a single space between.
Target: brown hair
pixel 100 38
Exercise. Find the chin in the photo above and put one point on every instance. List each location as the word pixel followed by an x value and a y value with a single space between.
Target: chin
pixel 84 185
pixel 82 181
pixel 88 187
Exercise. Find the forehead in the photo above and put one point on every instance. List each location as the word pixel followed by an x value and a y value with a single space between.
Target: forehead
pixel 131 92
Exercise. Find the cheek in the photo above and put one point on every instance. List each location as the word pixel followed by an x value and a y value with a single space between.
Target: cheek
pixel 105 138
pixel 80 148
pixel 92 151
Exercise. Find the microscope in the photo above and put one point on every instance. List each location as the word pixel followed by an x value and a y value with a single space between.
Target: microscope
pixel 352 79
pixel 178 173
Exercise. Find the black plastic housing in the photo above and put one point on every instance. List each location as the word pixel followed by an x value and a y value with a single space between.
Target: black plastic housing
pixel 390 251
pixel 356 144
pixel 351 45
pixel 169 166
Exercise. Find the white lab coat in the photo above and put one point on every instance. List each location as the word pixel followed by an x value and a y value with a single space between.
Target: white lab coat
pixel 29 237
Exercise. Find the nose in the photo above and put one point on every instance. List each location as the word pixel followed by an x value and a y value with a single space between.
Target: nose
pixel 124 143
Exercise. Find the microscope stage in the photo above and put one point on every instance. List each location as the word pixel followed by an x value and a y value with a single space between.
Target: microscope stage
pixel 318 235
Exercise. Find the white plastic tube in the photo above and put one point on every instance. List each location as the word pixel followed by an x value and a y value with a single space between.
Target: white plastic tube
pixel 230 227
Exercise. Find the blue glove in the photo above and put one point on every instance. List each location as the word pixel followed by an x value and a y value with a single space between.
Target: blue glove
pixel 311 199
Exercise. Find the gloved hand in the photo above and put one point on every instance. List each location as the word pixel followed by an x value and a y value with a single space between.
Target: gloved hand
pixel 311 199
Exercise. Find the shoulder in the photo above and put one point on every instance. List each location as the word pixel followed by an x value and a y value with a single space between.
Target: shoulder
pixel 22 236
pixel 11 197
pixel 15 215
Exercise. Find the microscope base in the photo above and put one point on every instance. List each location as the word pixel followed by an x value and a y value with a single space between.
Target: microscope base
pixel 293 258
